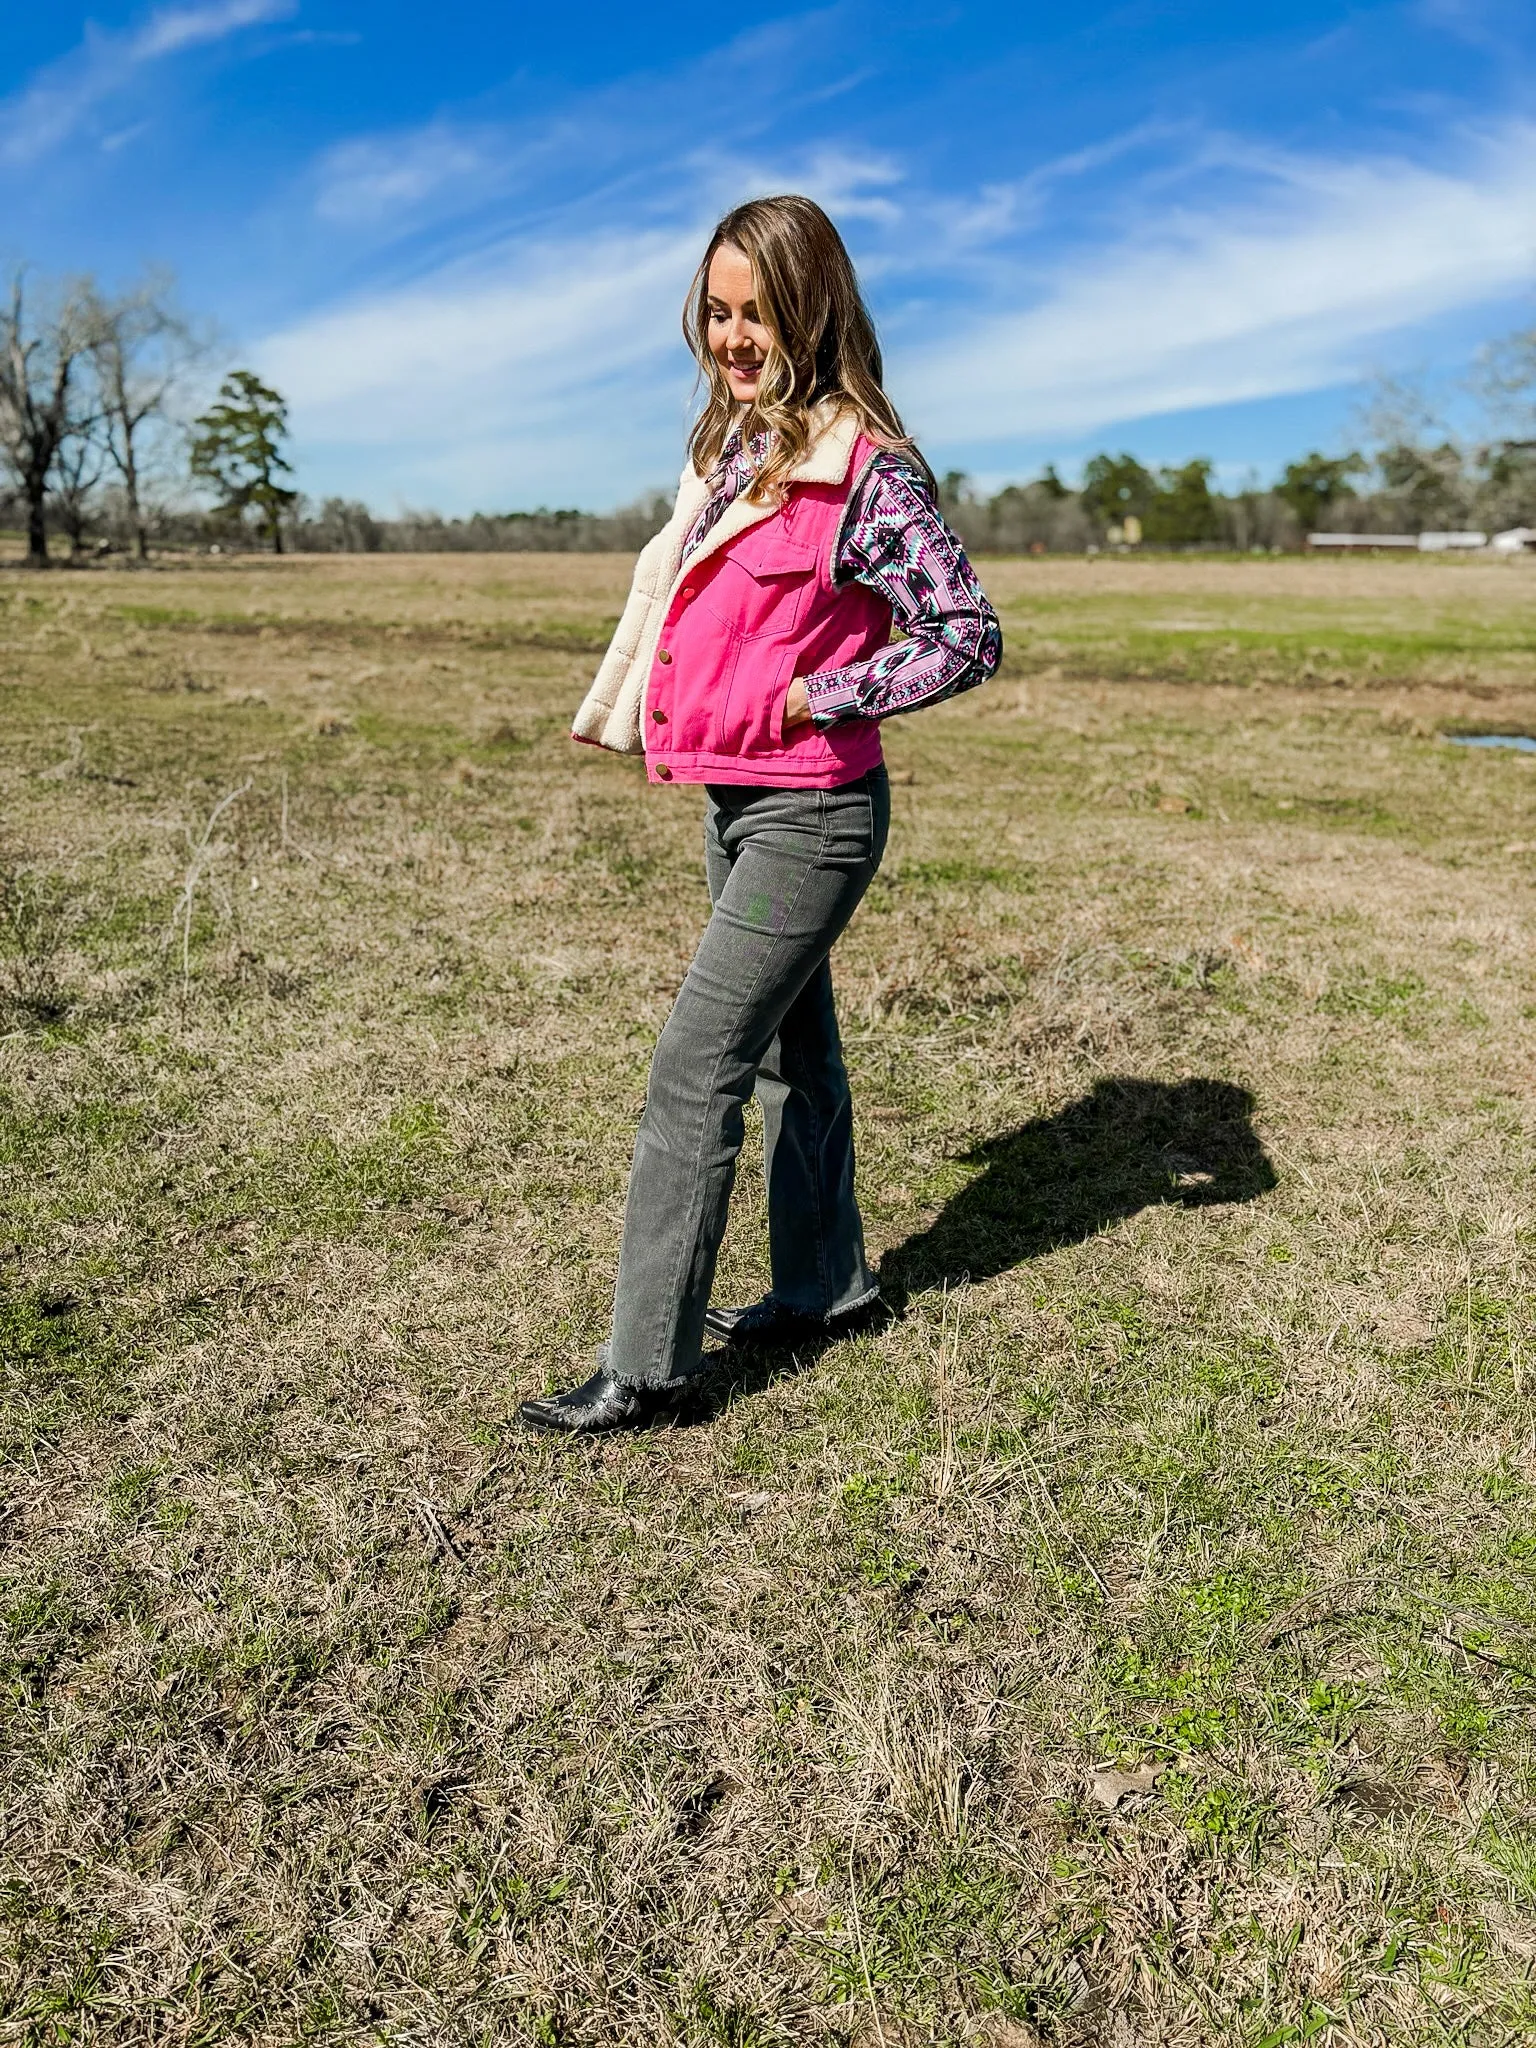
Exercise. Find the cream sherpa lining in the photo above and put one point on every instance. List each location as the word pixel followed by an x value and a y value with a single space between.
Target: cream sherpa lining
pixel 612 713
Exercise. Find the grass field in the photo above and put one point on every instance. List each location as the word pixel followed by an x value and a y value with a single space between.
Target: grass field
pixel 1134 1643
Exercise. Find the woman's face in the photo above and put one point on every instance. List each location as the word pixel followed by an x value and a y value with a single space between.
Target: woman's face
pixel 738 340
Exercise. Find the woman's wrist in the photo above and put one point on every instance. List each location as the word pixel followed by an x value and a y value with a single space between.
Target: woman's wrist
pixel 797 706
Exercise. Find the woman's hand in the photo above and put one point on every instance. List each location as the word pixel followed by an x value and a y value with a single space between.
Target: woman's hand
pixel 797 706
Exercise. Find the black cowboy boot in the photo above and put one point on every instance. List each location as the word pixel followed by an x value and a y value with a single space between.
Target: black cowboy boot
pixel 770 1323
pixel 598 1404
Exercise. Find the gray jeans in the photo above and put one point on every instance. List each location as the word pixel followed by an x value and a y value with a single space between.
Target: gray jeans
pixel 786 870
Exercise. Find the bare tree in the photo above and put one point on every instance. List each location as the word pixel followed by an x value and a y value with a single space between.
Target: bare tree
pixel 78 467
pixel 1402 411
pixel 40 356
pixel 1505 380
pixel 144 349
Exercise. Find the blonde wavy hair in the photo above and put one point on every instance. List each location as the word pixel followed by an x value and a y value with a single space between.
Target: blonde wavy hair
pixel 823 342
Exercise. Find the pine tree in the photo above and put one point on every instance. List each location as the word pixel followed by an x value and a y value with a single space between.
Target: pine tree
pixel 237 452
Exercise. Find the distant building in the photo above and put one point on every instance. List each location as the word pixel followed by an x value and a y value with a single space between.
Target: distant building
pixel 1515 540
pixel 1420 543
pixel 1344 543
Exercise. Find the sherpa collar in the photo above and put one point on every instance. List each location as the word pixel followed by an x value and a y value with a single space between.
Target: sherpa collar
pixel 825 461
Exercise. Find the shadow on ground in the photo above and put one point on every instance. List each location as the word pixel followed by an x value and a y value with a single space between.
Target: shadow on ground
pixel 1053 1181
pixel 1060 1179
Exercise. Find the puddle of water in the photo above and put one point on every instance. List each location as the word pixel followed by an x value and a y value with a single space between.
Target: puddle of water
pixel 1522 742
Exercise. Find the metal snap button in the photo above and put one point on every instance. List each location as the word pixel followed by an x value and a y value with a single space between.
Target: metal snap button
pixel 664 774
pixel 663 655
pixel 660 717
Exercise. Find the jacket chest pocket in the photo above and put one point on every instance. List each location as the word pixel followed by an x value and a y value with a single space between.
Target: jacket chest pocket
pixel 763 584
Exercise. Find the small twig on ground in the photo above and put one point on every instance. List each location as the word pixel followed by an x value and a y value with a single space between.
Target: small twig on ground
pixel 195 866
pixel 1338 1602
pixel 436 1532
pixel 1483 1656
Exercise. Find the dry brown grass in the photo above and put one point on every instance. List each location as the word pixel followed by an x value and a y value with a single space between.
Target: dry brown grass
pixel 335 1708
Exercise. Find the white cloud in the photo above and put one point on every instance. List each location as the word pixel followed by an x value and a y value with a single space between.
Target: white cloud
pixel 181 28
pixel 547 371
pixel 633 144
pixel 46 112
pixel 121 138
pixel 376 178
pixel 536 310
pixel 840 180
pixel 1245 299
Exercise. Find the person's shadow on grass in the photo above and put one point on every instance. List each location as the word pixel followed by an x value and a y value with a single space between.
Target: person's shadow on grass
pixel 1054 1181
pixel 1060 1179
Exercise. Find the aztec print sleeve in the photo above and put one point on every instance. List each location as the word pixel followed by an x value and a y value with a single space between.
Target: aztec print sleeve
pixel 895 540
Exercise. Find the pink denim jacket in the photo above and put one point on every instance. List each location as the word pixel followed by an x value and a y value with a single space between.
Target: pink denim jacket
pixel 711 637
pixel 742 624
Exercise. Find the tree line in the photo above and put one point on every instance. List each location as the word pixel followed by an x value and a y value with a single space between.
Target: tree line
pixel 100 443
pixel 1403 488
pixel 1420 477
pixel 339 526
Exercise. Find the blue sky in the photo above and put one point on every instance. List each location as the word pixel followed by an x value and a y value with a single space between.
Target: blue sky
pixel 457 236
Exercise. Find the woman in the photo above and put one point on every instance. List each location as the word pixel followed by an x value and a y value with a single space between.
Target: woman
pixel 754 656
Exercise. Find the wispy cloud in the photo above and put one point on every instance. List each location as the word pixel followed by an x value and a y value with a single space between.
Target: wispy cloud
pixel 565 314
pixel 181 28
pixel 60 99
pixel 1282 291
pixel 545 371
pixel 375 179
pixel 635 147
pixel 1496 26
